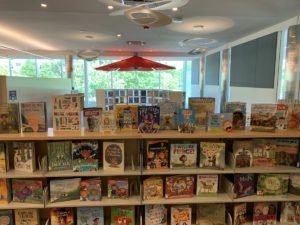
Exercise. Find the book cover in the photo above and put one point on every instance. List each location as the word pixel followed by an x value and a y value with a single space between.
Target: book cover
pixel 113 156
pixel 62 216
pixel 290 214
pixel 293 117
pixel 286 151
pixel 27 191
pixel 265 213
pixel 122 215
pixel 108 123
pixel 4 191
pixel 90 216
pixel 294 187
pixel 155 215
pixel 282 116
pixel 243 185
pixel 298 161
pixel 118 188
pixel 181 215
pixel 64 189
pixel 34 117
pixel 239 214
pixel 264 152
pixel 186 120
pixel 272 184
pixel 6 217
pixel 157 154
pixel 148 119
pixel 3 158
pixel 27 217
pixel 179 187
pixel 238 109
pixel 90 190
pixel 59 155
pixel 212 155
pixel 126 117
pixel 153 188
pixel 207 185
pixel 219 122
pixel 92 119
pixel 183 156
pixel 243 153
pixel 10 118
pixel 211 214
pixel 85 156
pixel 24 156
pixel 169 115
pixel 263 117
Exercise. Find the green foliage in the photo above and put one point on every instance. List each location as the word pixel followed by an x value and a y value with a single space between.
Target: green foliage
pixel 27 69
pixel 50 69
pixel 4 67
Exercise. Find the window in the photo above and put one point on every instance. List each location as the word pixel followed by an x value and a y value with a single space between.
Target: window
pixel 4 67
pixel 124 79
pixel 49 68
pixel 148 79
pixel 78 75
pixel 171 79
pixel 23 67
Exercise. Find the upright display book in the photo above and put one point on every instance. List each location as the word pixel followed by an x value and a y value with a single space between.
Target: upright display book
pixel 6 217
pixel 264 152
pixel 219 122
pixel 169 115
pixel 10 118
pixel 5 191
pixel 92 119
pixel 265 213
pixel 287 151
pixel 239 214
pixel 243 153
pixel 181 215
pixel 34 117
pixel 179 187
pixel 153 188
pixel 207 185
pixel 64 189
pixel 24 156
pixel 272 184
pixel 155 215
pixel 263 117
pixel 90 216
pixel 212 155
pixel 122 215
pixel 113 156
pixel 243 185
pixel 90 190
pixel 294 117
pixel 118 188
pixel 108 122
pixel 210 214
pixel 238 110
pixel 85 156
pixel 290 213
pixel 62 216
pixel 149 120
pixel 59 155
pixel 126 117
pixel 294 187
pixel 186 120
pixel 27 191
pixel 27 217
pixel 282 116
pixel 183 156
pixel 4 163
pixel 157 155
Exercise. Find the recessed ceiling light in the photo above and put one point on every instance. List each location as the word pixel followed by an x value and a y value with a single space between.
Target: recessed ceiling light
pixel 89 37
pixel 175 9
pixel 44 5
pixel 198 27
pixel 119 35
pixel 110 7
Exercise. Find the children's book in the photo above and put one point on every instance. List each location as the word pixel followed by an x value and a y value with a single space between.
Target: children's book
pixel 90 216
pixel 207 185
pixel 181 215
pixel 179 187
pixel 264 152
pixel 122 215
pixel 282 116
pixel 64 189
pixel 157 154
pixel 27 191
pixel 183 156
pixel 212 155
pixel 155 215
pixel 6 217
pixel 265 213
pixel 27 217
pixel 187 120
pixel 219 122
pixel 108 123
pixel 4 163
pixel 239 214
pixel 126 117
pixel 59 155
pixel 290 212
pixel 148 119
pixel 298 161
pixel 118 188
pixel 90 190
pixel 9 118
pixel 243 185
pixel 62 216
pixel 272 184
pixel 113 156
pixel 5 191
pixel 24 156
pixel 294 187
pixel 34 117
pixel 153 188
pixel 263 117
pixel 243 153
pixel 85 156
pixel 169 115
pixel 286 151
pixel 92 119
pixel 210 214
pixel 238 109
pixel 294 116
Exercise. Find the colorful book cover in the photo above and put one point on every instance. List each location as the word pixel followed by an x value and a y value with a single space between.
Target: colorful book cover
pixel 108 123
pixel 287 151
pixel 24 156
pixel 27 217
pixel 4 191
pixel 62 216
pixel 148 117
pixel 3 158
pixel 34 117
pixel 238 109
pixel 239 214
pixel 169 115
pixel 290 213
pixel 64 189
pixel 181 215
pixel 113 156
pixel 155 215
pixel 122 215
pixel 263 117
pixel 212 155
pixel 126 117
pixel 179 187
pixel 272 184
pixel 6 217
pixel 243 185
pixel 294 117
pixel 85 156
pixel 90 190
pixel 294 187
pixel 219 122
pixel 59 155
pixel 264 152
pixel 118 188
pixel 186 120
pixel 282 116
pixel 157 155
pixel 153 188
pixel 10 118
pixel 207 185
pixel 243 153
pixel 27 191
pixel 92 119
pixel 210 214
pixel 90 216
pixel 183 156
pixel 265 213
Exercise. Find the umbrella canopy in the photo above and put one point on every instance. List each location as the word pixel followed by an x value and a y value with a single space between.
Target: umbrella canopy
pixel 135 63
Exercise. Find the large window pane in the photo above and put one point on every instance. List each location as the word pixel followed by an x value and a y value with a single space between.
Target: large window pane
pixel 148 79
pixel 124 79
pixel 4 67
pixel 49 68
pixel 171 79
pixel 23 67
pixel 78 73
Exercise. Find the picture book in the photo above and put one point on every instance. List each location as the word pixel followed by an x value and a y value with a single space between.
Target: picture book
pixel 59 155
pixel 85 156
pixel 243 185
pixel 92 119
pixel 239 214
pixel 157 154
pixel 264 151
pixel 155 215
pixel 187 120
pixel 34 117
pixel 181 215
pixel 113 156
pixel 219 122
pixel 148 119
pixel 27 191
pixel 293 116
pixel 179 187
pixel 118 188
pixel 153 188
pixel 272 184
pixel 27 217
pixel 4 163
pixel 24 156
pixel 282 116
pixel 243 153
pixel 126 117
pixel 90 190
pixel 207 185
pixel 263 117
pixel 265 213
pixel 5 194
pixel 62 216
pixel 212 155
pixel 183 156
pixel 294 187
pixel 9 118
pixel 210 214
pixel 122 215
pixel 169 115
pixel 290 213
pixel 108 123
pixel 286 151
pixel 90 216
pixel 6 217
pixel 298 161
pixel 64 189
pixel 238 109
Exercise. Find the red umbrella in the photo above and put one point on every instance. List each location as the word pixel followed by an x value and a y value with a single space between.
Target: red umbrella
pixel 135 63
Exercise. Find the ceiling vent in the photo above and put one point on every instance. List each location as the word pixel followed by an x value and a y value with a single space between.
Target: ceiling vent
pixel 136 43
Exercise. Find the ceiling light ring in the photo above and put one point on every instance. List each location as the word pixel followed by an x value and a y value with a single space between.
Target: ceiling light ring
pixel 190 40
pixel 89 54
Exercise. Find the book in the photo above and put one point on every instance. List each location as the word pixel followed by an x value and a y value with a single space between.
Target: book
pixel 113 156
pixel 169 115
pixel 293 116
pixel 264 151
pixel 298 161
pixel 5 193
pixel 126 117
pixel 264 213
pixel 212 155
pixel 62 216
pixel 122 215
pixel 117 188
pixel 27 217
pixel 272 184
pixel 148 119
pixel 153 188
pixel 85 156
pixel 181 215
pixel 27 191
pixel 24 156
pixel 59 155
pixel 10 118
pixel 90 190
pixel 263 117
pixel 92 119
pixel 64 189
pixel 207 185
pixel 187 120
pixel 210 214
pixel 239 214
pixel 155 215
pixel 219 122
pixel 290 212
pixel 90 216
pixel 238 110
pixel 243 153
pixel 243 185
pixel 183 156
pixel 6 217
pixel 4 163
pixel 282 116
pixel 108 123
pixel 179 187
pixel 286 151
pixel 157 154
pixel 34 117
pixel 294 187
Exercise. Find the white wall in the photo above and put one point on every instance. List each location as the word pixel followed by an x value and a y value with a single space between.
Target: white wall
pixel 212 91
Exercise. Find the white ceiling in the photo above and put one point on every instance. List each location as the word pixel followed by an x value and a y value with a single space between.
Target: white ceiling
pixel 27 26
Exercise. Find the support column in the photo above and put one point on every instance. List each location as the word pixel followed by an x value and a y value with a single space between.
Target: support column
pixel 202 75
pixel 224 84
pixel 69 67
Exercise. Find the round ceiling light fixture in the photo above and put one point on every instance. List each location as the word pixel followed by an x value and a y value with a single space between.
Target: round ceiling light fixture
pixel 89 54
pixel 197 51
pixel 198 27
pixel 44 5
pixel 110 7
pixel 119 35
pixel 197 41
pixel 175 9
pixel 88 36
